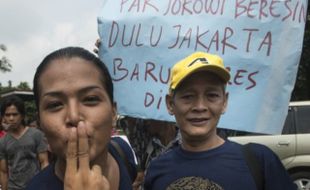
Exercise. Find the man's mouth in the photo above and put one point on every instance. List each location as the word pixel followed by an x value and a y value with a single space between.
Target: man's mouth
pixel 6 126
pixel 198 121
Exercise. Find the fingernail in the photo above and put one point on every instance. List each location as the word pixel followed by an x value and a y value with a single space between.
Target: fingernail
pixel 81 123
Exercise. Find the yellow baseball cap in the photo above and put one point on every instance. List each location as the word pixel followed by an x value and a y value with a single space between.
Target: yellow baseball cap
pixel 196 62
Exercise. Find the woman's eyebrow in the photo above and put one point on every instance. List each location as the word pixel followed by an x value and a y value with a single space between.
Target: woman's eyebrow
pixel 53 94
pixel 89 88
pixel 59 93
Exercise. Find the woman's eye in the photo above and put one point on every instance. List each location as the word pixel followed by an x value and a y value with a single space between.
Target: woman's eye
pixel 54 106
pixel 91 100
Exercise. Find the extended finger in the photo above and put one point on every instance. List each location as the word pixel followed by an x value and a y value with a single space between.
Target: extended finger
pixel 97 176
pixel 98 179
pixel 71 155
pixel 97 170
pixel 83 152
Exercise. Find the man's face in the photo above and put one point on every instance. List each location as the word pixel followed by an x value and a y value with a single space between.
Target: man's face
pixel 197 105
pixel 12 117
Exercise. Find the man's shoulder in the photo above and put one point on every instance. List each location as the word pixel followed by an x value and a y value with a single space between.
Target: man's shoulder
pixel 165 157
pixel 35 133
pixel 2 139
pixel 34 130
pixel 255 147
pixel 260 149
pixel 7 137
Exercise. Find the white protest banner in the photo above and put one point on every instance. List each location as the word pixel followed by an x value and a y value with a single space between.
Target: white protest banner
pixel 259 40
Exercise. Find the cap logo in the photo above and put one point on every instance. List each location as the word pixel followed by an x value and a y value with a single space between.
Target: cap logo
pixel 202 60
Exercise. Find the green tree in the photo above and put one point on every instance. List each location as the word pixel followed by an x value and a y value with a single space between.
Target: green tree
pixel 5 65
pixel 31 111
pixel 23 86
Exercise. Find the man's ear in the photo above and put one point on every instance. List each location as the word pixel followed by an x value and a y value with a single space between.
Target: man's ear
pixel 169 103
pixel 225 102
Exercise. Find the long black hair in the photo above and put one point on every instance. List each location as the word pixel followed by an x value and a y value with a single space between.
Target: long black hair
pixel 70 52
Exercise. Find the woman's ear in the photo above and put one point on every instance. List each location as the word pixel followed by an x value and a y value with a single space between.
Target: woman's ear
pixel 114 114
pixel 169 103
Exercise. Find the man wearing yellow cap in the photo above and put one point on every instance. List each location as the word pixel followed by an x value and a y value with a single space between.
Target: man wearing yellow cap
pixel 197 98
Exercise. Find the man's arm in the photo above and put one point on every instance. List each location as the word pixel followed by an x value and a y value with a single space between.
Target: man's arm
pixel 43 159
pixel 3 174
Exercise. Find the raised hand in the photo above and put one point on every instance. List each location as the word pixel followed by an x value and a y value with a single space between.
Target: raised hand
pixel 79 175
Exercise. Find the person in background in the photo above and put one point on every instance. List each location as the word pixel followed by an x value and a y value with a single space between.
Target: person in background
pixel 23 150
pixel 164 135
pixel 2 131
pixel 138 138
pixel 73 92
pixel 136 133
pixel 197 98
pixel 34 124
pixel 117 131
pixel 149 139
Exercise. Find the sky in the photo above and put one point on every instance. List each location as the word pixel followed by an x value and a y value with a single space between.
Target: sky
pixel 32 29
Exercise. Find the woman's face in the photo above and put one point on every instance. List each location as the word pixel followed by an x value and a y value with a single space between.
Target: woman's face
pixel 70 90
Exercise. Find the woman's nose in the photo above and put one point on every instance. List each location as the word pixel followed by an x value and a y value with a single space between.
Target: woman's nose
pixel 73 114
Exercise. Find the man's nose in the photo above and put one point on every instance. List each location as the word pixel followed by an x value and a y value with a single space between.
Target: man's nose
pixel 200 104
pixel 11 117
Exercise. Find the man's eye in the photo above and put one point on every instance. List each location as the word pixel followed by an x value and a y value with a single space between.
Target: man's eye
pixel 213 96
pixel 187 96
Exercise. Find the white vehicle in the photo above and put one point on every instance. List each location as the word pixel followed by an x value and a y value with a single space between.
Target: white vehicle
pixel 293 145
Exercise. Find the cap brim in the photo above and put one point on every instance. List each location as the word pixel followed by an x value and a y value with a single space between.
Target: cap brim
pixel 218 71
